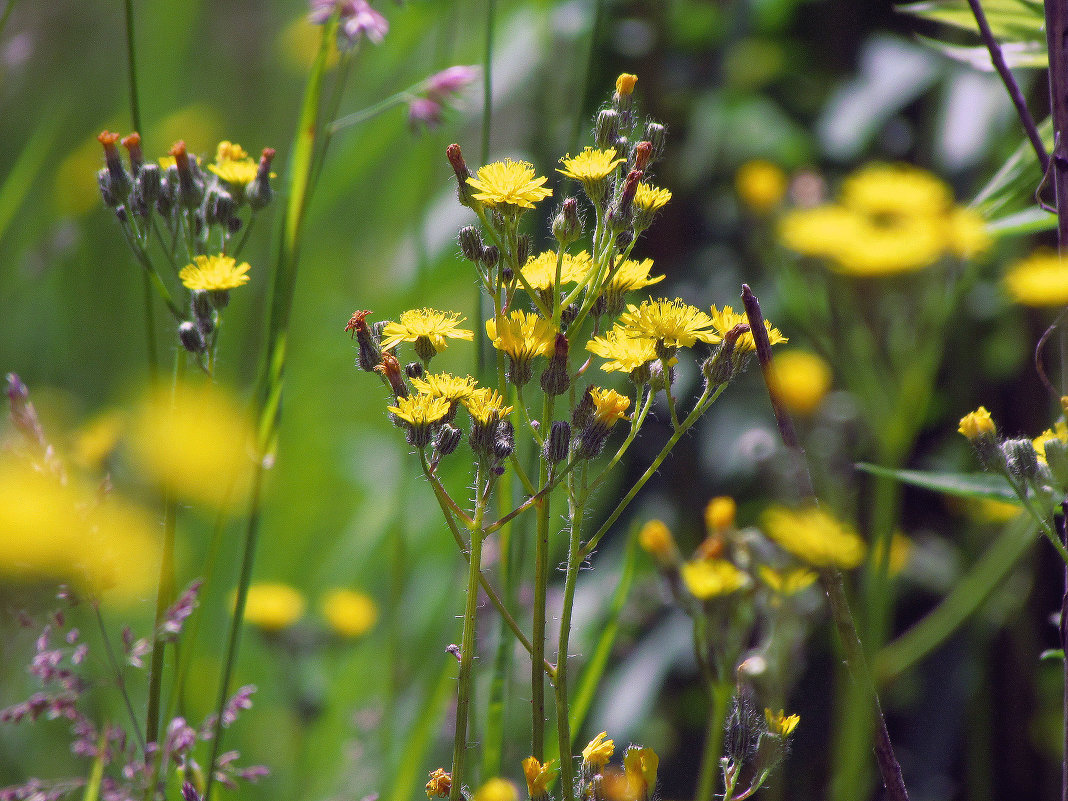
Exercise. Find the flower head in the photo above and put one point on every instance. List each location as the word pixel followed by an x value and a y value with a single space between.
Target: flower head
pixel 1039 280
pixel 496 789
pixel 786 582
pixel 1059 433
pixel 509 183
pixel 671 323
pixel 349 613
pixel 591 168
pixel 627 276
pixel 650 198
pixel 234 165
pixel 711 578
pixel 273 606
pixel 760 185
pixel 639 768
pixel 977 424
pixel 421 412
pixel 968 236
pixel 609 406
pixel 539 776
pixel 720 513
pixel 358 19
pixel 214 274
pixel 811 534
pixel 655 538
pixel 896 190
pixel 429 329
pixel 625 353
pixel 440 784
pixel 597 753
pixel 625 84
pixel 540 271
pixel 522 336
pixel 800 380
pixel 725 319
pixel 486 405
pixel 780 723
pixel 444 385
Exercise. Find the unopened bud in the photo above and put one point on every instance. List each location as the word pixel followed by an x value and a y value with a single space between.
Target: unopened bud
pixel 567 225
pixel 619 216
pixel 190 191
pixel 606 129
pixel 459 166
pixel 414 370
pixel 555 380
pixel 656 135
pixel 583 413
pixel 447 440
pixel 220 206
pixel 490 256
pixel 121 183
pixel 556 446
pixel 1020 458
pixel 504 443
pixel 471 243
pixel 390 370
pixel 103 179
pixel 191 338
pixel 203 311
pixel 148 183
pixel 260 193
pixel 132 143
pixel 643 151
pixel 522 250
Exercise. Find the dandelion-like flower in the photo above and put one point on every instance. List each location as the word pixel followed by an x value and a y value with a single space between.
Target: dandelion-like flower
pixel 522 336
pixel 760 185
pixel 800 380
pixel 711 578
pixel 486 405
pixel 214 274
pixel 609 406
pixel 349 613
pixel 639 768
pixel 540 271
pixel 234 165
pixel 509 183
pixel 421 412
pixel 1039 280
pixel 977 424
pixel 273 606
pixel 786 582
pixel 671 323
pixel 445 385
pixel 725 319
pixel 625 352
pixel 648 200
pixel 780 723
pixel 591 168
pixel 628 276
pixel 597 753
pixel 429 329
pixel 814 536
pixel 655 538
pixel 1058 433
pixel 819 231
pixel 896 190
pixel 625 84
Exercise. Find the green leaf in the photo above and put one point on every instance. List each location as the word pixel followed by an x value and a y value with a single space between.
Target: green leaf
pixel 1052 655
pixel 964 485
pixel 1028 221
pixel 1010 20
pixel 1030 54
pixel 1013 186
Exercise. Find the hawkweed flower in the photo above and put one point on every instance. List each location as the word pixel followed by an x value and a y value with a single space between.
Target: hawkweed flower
pixel 896 190
pixel 713 578
pixel 780 724
pixel 639 769
pixel 719 514
pixel 648 200
pixel 486 408
pixel 725 319
pixel 800 380
pixel 670 323
pixel 814 536
pixel 422 413
pixel 591 168
pixel 454 389
pixel 215 274
pixel 627 276
pixel 761 185
pixel 977 425
pixel 508 185
pixel 234 166
pixel 521 336
pixel 1059 433
pixel 608 407
pixel 655 539
pixel 539 776
pixel 349 613
pixel 625 353
pixel 440 784
pixel 273 606
pixel 1039 280
pixel 429 329
pixel 597 753
pixel 540 272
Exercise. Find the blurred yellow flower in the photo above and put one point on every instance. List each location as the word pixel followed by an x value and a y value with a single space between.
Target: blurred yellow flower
pixel 509 183
pixel 639 767
pixel 977 424
pixel 625 83
pixel 1058 432
pixel 719 514
pixel 800 380
pixel 968 236
pixel 780 723
pixel 896 190
pixel 710 578
pixel 196 443
pixel 1039 280
pixel 349 613
pixel 273 606
pixel 789 581
pixel 496 789
pixel 818 231
pixel 598 751
pixel 655 539
pixel 539 776
pixel 814 536
pixel 760 185
pixel 98 439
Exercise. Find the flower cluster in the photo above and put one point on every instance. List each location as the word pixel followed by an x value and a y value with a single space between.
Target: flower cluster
pixel 888 219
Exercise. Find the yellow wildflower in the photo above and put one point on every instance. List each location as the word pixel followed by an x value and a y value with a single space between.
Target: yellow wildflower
pixel 349 613
pixel 609 406
pixel 898 190
pixel 800 380
pixel 719 514
pixel 496 790
pixel 819 231
pixel 882 246
pixel 786 582
pixel 429 329
pixel 811 534
pixel 710 578
pixel 420 409
pixel 627 276
pixel 625 84
pixel 273 606
pixel 445 385
pixel 760 185
pixel 440 784
pixel 538 776
pixel 968 236
pixel 639 767
pixel 1039 280
pixel 214 274
pixel 597 753
pixel 650 199
pixel 540 271
pixel 655 538
pixel 234 165
pixel 486 404
pixel 977 424
pixel 509 183
pixel 725 319
pixel 230 151
pixel 671 323
pixel 625 353
pixel 590 167
pixel 1058 432
pixel 780 723
pixel 522 336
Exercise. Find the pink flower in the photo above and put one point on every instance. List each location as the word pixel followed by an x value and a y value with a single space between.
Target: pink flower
pixel 423 110
pixel 450 80
pixel 358 19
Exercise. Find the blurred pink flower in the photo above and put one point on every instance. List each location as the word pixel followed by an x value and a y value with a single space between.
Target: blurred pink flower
pixel 358 18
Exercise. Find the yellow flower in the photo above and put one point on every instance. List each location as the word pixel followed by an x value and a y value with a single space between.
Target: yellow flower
pixel 509 183
pixel 625 83
pixel 709 578
pixel 760 185
pixel 968 236
pixel 444 385
pixel 420 409
pixel 671 323
pixel 725 319
pixel 896 190
pixel 349 613
pixel 655 538
pixel 273 606
pixel 98 439
pixel 819 231
pixel 639 767
pixel 800 380
pixel 627 276
pixel 900 551
pixel 591 166
pixel 786 582
pixel 625 353
pixel 486 404
pixel 1039 280
pixel 522 336
pixel 540 271
pixel 1058 432
pixel 719 514
pixel 230 151
pixel 233 164
pixel 597 753
pixel 429 329
pixel 977 424
pixel 196 442
pixel 538 776
pixel 214 273
pixel 70 531
pixel 496 790
pixel 882 246
pixel 440 784
pixel 811 534
pixel 650 199
pixel 781 724
pixel 609 406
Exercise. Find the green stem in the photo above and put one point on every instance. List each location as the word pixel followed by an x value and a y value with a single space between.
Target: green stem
pixel 541 580
pixel 119 681
pixel 717 717
pixel 563 729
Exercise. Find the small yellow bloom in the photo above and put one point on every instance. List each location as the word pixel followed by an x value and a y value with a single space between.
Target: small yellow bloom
pixel 671 323
pixel 540 271
pixel 236 173
pixel 882 246
pixel 349 613
pixel 761 185
pixel 609 406
pixel 421 410
pixel 496 790
pixel 968 236
pixel 445 385
pixel 650 198
pixel 977 424
pixel 819 231
pixel 719 514
pixel 780 723
pixel 429 329
pixel 725 319
pixel 630 275
pixel 1058 432
pixel 538 776
pixel 509 183
pixel 230 151
pixel 786 582
pixel 440 784
pixel 896 190
pixel 273 606
pixel 1039 280
pixel 711 578
pixel 625 84
pixel 800 379
pixel 214 274
pixel 597 753
pixel 625 353
pixel 521 335
pixel 639 767
pixel 591 166
pixel 486 404
pixel 655 538
pixel 811 534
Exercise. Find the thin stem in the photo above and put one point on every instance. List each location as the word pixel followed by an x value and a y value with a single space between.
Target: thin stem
pixel 131 63
pixel 120 682
pixel 717 717
pixel 541 580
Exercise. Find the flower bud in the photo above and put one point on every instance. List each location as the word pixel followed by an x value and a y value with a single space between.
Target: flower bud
pixel 1020 458
pixel 259 193
pixel 622 211
pixel 471 243
pixel 148 183
pixel 190 191
pixel 567 225
pixel 132 143
pixel 191 338
pixel 120 184
pixel 414 370
pixel 656 135
pixel 447 440
pixel 103 179
pixel 490 256
pixel 390 370
pixel 643 152
pixel 459 166
pixel 168 193
pixel 558 442
pixel 555 380
pixel 606 129
pixel 1057 459
pixel 504 443
pixel 220 206
pixel 583 413
pixel 522 250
